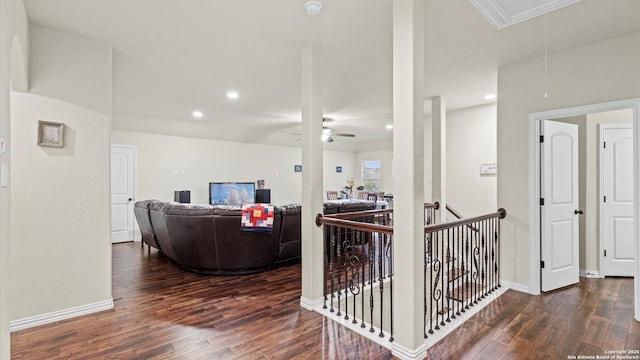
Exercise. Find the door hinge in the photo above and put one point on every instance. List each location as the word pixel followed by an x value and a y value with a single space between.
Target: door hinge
pixel 605 198
pixel 604 144
pixel 541 201
pixel 541 138
pixel 541 264
pixel 605 253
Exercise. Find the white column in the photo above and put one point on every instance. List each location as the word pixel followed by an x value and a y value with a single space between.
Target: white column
pixel 408 181
pixel 312 196
pixel 439 155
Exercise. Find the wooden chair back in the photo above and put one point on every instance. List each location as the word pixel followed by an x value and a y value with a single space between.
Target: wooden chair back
pixel 332 195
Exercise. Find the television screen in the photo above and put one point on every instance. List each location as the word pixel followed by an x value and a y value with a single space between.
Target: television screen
pixel 232 193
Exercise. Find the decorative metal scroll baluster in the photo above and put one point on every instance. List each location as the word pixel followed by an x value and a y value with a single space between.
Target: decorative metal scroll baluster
pixel 371 269
pixel 461 267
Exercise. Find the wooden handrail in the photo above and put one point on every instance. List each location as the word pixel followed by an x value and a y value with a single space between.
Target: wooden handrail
pixel 435 205
pixel 355 214
pixel 355 225
pixel 453 212
pixel 501 213
pixel 459 216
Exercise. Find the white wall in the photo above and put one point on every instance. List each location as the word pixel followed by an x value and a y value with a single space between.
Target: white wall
pixel 200 161
pixel 471 141
pixel 350 169
pixel 386 160
pixel 595 73
pixel 14 75
pixel 60 227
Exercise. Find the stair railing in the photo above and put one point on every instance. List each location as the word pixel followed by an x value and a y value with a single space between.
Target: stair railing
pixel 358 276
pixel 461 267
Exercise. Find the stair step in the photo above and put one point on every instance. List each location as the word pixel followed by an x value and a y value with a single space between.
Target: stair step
pixel 443 311
pixel 464 291
pixel 456 273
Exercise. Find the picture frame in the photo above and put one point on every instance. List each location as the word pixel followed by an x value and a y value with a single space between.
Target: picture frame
pixel 50 134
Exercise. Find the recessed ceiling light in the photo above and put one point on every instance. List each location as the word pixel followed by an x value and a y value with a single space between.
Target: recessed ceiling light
pixel 389 126
pixel 232 95
pixel 490 96
pixel 198 114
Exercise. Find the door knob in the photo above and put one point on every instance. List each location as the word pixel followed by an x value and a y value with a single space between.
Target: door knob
pixel 578 212
pixel 130 199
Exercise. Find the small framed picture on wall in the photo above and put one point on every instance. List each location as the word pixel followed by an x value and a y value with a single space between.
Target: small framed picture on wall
pixel 50 134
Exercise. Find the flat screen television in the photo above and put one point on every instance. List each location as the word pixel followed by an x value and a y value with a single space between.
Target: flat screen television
pixel 232 193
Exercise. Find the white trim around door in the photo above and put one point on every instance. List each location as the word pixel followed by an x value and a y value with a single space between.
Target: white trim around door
pixel 534 183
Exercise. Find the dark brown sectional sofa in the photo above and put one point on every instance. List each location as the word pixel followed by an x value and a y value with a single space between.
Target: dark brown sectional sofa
pixel 207 239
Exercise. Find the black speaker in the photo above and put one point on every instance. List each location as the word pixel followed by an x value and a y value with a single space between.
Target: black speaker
pixel 263 196
pixel 182 196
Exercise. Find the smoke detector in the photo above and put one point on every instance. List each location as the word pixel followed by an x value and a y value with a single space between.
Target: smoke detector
pixel 313 7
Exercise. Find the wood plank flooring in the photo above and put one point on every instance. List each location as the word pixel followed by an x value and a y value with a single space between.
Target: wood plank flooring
pixel 585 319
pixel 163 312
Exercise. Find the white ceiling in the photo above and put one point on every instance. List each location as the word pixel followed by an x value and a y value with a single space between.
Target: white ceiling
pixel 173 57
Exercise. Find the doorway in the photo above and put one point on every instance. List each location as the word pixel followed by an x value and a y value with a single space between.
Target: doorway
pixel 534 181
pixel 123 179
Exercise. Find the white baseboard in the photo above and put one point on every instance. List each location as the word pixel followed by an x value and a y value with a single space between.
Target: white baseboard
pixel 590 274
pixel 516 286
pixel 48 318
pixel 403 353
pixel 311 304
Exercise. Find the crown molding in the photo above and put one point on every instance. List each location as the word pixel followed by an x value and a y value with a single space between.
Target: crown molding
pixel 495 11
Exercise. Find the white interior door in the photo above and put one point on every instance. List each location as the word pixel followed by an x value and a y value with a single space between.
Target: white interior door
pixel 617 199
pixel 123 159
pixel 559 214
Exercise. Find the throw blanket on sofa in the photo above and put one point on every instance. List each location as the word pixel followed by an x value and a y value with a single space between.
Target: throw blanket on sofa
pixel 257 217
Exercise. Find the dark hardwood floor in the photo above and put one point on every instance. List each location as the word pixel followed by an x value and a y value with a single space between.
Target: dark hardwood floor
pixel 586 319
pixel 163 312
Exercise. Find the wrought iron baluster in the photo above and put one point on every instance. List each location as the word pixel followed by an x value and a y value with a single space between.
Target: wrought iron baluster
pixel 332 264
pixel 390 244
pixel 499 240
pixel 381 259
pixel 371 274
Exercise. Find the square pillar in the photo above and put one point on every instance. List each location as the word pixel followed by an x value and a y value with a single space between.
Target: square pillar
pixel 408 191
pixel 312 193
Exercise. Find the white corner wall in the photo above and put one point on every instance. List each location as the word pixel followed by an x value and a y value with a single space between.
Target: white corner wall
pixel 14 75
pixel 599 72
pixel 60 213
pixel 169 163
pixel 471 141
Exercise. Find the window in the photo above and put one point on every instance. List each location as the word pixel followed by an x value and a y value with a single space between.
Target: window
pixel 371 175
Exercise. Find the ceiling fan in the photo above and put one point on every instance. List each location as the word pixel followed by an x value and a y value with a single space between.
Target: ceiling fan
pixel 328 133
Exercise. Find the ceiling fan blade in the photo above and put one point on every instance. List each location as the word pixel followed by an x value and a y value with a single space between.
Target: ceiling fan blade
pixel 345 135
